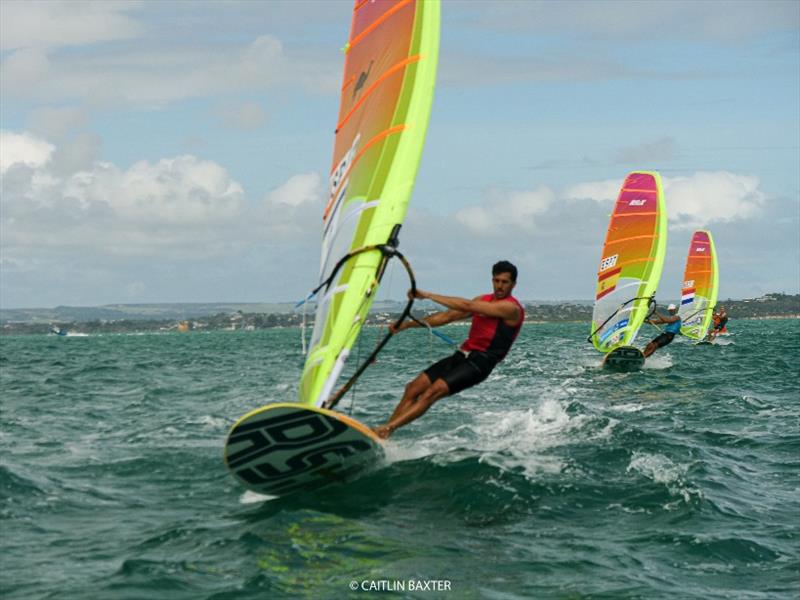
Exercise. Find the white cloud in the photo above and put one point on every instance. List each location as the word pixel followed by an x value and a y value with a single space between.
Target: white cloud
pixel 692 201
pixel 163 230
pixel 708 197
pixel 503 210
pixel 23 148
pixel 60 199
pixel 599 191
pixel 48 23
pixel 77 153
pixel 151 77
pixel 175 207
pixel 300 189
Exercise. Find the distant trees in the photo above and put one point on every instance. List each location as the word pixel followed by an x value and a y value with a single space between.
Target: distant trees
pixel 769 305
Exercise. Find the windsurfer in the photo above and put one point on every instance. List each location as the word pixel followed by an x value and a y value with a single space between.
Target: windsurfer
pixel 496 321
pixel 673 322
pixel 720 320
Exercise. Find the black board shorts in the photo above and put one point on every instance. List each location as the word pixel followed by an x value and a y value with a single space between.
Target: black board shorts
pixel 662 340
pixel 460 372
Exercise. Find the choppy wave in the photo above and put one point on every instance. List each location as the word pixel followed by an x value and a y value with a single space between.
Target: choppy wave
pixel 552 479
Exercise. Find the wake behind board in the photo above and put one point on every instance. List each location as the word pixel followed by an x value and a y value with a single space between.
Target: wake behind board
pixel 624 358
pixel 285 448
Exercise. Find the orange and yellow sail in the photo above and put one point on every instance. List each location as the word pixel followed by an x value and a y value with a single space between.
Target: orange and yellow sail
pixel 386 97
pixel 700 284
pixel 631 262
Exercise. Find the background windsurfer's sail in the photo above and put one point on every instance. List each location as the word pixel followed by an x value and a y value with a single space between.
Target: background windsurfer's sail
pixel 631 262
pixel 389 74
pixel 700 283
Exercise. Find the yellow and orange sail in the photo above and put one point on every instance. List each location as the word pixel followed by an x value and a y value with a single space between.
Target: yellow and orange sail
pixel 386 97
pixel 700 284
pixel 631 262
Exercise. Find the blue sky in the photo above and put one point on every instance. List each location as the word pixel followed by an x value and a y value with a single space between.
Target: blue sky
pixel 178 151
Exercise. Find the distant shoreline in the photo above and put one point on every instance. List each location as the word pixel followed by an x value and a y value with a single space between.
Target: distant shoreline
pixel 140 318
pixel 137 327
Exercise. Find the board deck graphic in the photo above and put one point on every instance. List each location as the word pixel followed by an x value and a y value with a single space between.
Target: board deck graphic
pixel 624 358
pixel 287 448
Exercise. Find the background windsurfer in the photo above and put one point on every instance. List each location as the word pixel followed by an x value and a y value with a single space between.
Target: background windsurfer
pixel 496 321
pixel 720 320
pixel 673 322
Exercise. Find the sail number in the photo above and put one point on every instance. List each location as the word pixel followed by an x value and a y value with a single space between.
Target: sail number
pixel 608 262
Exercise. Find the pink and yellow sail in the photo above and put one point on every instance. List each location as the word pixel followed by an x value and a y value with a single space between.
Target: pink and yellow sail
pixel 631 262
pixel 386 97
pixel 700 283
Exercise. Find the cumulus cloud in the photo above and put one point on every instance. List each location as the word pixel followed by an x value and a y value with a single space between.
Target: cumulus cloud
pixel 23 149
pixel 140 231
pixel 294 209
pixel 179 205
pixel 706 197
pixel 65 23
pixel 692 201
pixel 514 209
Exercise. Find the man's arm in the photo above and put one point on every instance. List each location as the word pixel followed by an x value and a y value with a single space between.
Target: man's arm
pixel 507 311
pixel 662 319
pixel 434 320
pixel 657 319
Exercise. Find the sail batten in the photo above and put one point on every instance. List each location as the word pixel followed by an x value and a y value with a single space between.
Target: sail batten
pixel 631 262
pixel 385 103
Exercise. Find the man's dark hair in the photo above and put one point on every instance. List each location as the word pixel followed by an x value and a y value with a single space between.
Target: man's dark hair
pixel 505 267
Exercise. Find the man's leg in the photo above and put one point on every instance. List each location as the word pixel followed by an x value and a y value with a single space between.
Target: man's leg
pixel 438 389
pixel 412 390
pixel 410 395
pixel 651 347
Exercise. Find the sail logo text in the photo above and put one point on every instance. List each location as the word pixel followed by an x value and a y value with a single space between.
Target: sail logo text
pixel 608 262
pixel 637 202
pixel 343 167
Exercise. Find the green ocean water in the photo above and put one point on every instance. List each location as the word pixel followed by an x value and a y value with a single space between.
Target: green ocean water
pixel 552 479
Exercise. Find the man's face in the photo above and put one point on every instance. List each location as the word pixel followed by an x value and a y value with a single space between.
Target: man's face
pixel 502 285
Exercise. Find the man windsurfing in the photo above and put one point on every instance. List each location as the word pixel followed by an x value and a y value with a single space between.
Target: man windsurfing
pixel 720 320
pixel 496 321
pixel 673 327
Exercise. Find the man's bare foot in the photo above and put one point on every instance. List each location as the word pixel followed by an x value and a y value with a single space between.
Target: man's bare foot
pixel 382 431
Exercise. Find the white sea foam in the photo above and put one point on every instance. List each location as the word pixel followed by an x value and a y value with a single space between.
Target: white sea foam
pixel 510 440
pixel 253 498
pixel 661 469
pixel 658 361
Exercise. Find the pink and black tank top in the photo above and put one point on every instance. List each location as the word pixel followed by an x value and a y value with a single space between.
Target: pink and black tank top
pixel 491 334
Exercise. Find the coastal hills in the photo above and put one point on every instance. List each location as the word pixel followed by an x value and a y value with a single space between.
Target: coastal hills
pixel 121 318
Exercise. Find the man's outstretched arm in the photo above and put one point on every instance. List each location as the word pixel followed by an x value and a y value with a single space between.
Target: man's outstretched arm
pixel 507 311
